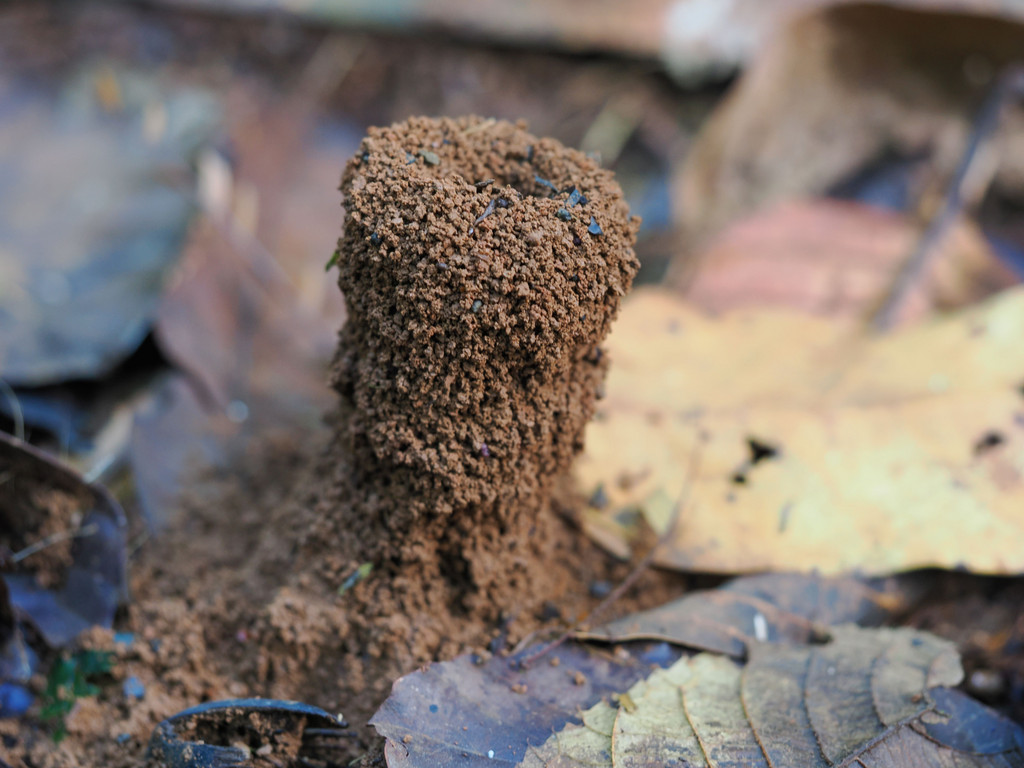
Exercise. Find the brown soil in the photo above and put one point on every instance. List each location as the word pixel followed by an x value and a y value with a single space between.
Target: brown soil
pixel 467 371
pixel 226 607
pixel 39 510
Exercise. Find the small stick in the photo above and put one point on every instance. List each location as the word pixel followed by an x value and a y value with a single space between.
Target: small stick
pixel 102 466
pixel 1010 84
pixel 637 572
pixel 49 541
pixel 137 544
pixel 16 414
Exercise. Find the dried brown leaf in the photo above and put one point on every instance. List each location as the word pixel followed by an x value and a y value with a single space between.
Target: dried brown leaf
pixel 778 608
pixel 838 259
pixel 834 89
pixel 874 698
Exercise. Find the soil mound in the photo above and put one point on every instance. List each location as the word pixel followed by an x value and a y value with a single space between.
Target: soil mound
pixel 482 267
pixel 477 296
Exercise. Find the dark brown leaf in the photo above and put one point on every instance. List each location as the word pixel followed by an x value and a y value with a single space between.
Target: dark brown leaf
pixel 776 608
pixel 93 210
pixel 476 712
pixel 837 259
pixel 65 542
pixel 254 355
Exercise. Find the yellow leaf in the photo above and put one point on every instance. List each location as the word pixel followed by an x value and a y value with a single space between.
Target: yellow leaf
pixel 820 447
pixel 794 706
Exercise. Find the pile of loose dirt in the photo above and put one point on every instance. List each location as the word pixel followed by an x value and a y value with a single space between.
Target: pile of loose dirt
pixel 482 268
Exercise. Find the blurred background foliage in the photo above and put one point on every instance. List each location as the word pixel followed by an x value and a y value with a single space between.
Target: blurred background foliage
pixel 167 177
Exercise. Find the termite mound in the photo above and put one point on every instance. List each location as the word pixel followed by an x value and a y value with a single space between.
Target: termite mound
pixel 482 268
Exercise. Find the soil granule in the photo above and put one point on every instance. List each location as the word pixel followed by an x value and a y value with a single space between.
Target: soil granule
pixel 482 268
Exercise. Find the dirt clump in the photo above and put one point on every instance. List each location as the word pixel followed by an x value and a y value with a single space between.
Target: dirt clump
pixel 477 300
pixel 482 268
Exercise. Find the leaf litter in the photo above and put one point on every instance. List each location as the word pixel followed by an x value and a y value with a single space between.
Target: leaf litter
pixel 840 694
pixel 751 464
pixel 833 258
pixel 64 559
pixel 81 283
pixel 912 69
pixel 867 697
pixel 475 703
pixel 783 607
pixel 247 732
pixel 250 360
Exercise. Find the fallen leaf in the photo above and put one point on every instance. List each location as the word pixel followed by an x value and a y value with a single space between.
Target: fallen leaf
pixel 697 41
pixel 867 697
pixel 227 733
pixel 94 207
pixel 477 712
pixel 67 543
pixel 310 221
pixel 779 608
pixel 16 661
pixel 834 90
pixel 230 321
pixel 253 361
pixel 248 318
pixel 838 259
pixel 458 712
pixel 176 437
pixel 473 711
pixel 702 41
pixel 819 447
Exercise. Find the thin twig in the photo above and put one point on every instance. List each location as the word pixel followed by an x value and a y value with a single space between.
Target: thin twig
pixel 101 466
pixel 55 538
pixel 16 414
pixel 136 544
pixel 637 572
pixel 1009 85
